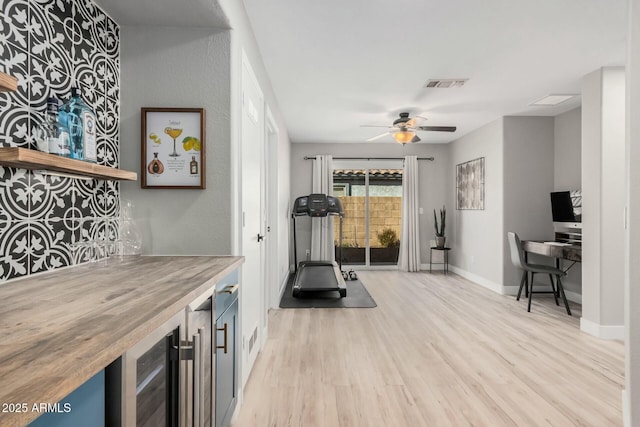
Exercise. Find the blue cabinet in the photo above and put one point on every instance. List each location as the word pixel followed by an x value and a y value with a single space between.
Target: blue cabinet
pixel 226 349
pixel 85 406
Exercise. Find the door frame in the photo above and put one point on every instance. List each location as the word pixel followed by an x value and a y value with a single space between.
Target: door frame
pixel 367 165
pixel 248 360
pixel 273 258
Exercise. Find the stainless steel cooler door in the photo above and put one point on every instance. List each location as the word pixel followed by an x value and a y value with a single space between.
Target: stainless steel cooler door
pixel 200 376
pixel 150 393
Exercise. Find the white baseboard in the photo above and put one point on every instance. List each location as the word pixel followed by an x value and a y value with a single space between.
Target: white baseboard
pixel 283 284
pixel 571 296
pixel 486 283
pixel 626 414
pixel 496 287
pixel 607 332
pixel 425 267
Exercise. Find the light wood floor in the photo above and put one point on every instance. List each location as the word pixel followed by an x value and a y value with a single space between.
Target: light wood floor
pixel 437 351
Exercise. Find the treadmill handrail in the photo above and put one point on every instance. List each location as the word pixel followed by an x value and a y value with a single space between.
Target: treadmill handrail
pixel 341 214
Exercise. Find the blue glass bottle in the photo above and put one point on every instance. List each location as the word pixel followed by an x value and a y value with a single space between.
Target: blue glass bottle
pixel 81 121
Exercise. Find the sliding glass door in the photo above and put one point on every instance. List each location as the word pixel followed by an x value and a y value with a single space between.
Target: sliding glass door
pixel 371 196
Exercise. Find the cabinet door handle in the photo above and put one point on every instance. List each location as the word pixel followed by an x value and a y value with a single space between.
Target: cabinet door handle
pixel 231 289
pixel 197 379
pixel 203 358
pixel 225 329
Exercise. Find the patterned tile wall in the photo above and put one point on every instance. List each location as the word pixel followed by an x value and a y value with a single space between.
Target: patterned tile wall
pixel 48 45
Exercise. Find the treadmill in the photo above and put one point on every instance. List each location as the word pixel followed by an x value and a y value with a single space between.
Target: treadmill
pixel 317 276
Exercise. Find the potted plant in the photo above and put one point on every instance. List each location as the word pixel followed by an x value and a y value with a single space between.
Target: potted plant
pixel 351 253
pixel 389 248
pixel 440 238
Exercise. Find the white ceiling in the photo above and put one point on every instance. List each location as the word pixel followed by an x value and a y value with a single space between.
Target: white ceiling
pixel 338 64
pixel 166 13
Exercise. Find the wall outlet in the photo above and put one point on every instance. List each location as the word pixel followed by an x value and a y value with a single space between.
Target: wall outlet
pixel 473 259
pixel 420 211
pixel 308 254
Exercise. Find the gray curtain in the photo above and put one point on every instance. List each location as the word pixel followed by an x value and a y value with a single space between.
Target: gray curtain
pixel 409 257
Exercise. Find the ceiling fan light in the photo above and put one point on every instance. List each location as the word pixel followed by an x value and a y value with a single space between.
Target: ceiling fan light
pixel 403 137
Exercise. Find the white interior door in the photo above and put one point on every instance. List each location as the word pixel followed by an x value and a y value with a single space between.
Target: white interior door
pixel 253 220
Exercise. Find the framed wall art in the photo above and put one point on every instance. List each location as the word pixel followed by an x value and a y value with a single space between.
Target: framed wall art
pixel 470 185
pixel 173 148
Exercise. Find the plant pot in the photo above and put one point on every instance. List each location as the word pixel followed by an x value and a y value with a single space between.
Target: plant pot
pixel 384 255
pixel 350 255
pixel 440 240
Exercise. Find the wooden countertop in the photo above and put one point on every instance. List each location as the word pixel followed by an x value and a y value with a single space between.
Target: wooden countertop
pixel 60 328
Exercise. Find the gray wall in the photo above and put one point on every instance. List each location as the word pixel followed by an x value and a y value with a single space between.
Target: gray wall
pixel 179 67
pixel 567 176
pixel 568 151
pixel 434 179
pixel 478 234
pixel 528 180
pixel 519 163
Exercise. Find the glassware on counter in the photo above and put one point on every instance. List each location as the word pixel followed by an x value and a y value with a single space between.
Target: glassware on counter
pixel 129 236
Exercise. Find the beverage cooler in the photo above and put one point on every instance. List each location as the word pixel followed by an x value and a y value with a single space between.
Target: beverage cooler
pixel 166 379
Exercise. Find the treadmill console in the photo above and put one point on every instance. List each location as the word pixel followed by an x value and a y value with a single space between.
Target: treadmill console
pixel 334 205
pixel 317 205
pixel 301 205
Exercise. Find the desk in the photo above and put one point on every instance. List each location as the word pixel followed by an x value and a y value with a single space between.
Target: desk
pixel 445 259
pixel 569 252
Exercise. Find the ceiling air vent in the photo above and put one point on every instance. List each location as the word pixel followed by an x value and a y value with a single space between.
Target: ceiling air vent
pixel 445 83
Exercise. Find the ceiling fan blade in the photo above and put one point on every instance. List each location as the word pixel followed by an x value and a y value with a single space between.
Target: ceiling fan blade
pixel 416 139
pixel 379 136
pixel 414 121
pixel 437 128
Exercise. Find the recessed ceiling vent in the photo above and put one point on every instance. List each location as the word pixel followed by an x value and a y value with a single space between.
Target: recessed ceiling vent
pixel 445 83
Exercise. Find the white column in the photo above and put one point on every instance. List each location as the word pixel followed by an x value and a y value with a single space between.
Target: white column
pixel 603 191
pixel 631 401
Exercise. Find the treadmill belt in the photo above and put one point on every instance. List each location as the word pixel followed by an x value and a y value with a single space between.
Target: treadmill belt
pixel 318 277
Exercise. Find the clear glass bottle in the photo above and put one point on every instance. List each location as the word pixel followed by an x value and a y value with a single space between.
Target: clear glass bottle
pixel 52 136
pixel 130 237
pixel 81 121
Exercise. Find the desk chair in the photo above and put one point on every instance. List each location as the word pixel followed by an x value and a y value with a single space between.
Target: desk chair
pixel 517 258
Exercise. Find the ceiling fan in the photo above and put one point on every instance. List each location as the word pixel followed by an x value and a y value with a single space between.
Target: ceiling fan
pixel 404 129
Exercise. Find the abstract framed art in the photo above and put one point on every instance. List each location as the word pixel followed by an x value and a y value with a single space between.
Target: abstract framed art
pixel 470 185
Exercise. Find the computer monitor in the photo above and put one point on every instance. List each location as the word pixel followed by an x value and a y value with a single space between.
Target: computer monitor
pixel 566 206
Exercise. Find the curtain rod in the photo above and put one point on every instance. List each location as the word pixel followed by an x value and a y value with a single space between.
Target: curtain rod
pixel 369 158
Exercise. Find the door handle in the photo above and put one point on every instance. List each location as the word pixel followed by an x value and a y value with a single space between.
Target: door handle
pixel 260 237
pixel 225 329
pixel 231 289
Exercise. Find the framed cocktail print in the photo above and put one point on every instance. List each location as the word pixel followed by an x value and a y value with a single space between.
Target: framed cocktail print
pixel 173 148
